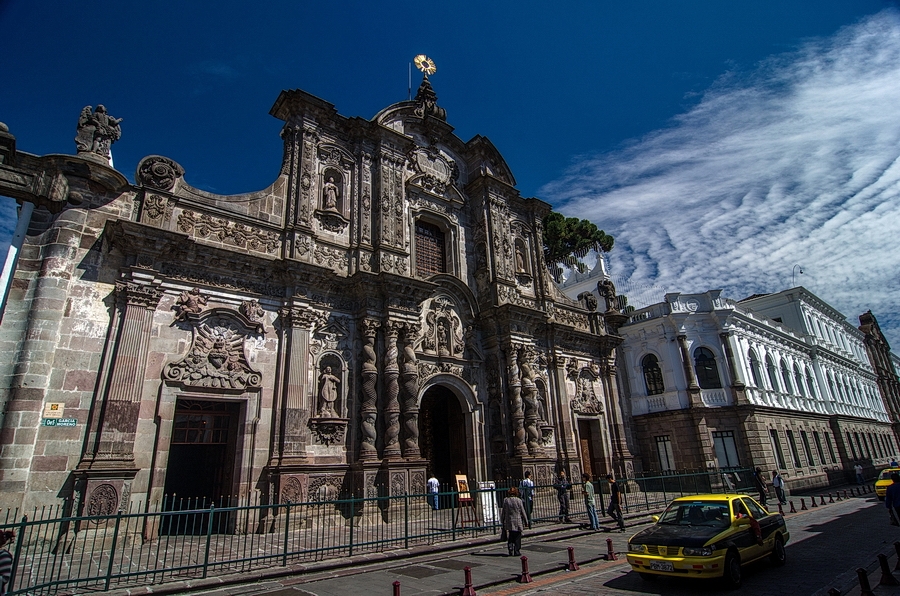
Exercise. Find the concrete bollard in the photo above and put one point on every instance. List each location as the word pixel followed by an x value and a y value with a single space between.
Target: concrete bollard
pixel 803 505
pixel 887 578
pixel 525 578
pixel 573 566
pixel 793 510
pixel 396 588
pixel 823 499
pixel 864 588
pixel 468 589
pixel 610 553
pixel 830 498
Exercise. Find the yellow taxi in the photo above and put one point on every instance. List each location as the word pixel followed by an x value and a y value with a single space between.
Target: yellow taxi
pixel 884 481
pixel 707 536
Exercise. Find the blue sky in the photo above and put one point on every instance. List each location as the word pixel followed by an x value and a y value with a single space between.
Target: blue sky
pixel 721 143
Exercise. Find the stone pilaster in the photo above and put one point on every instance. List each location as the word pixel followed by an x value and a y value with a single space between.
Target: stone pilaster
pixel 391 406
pixel 297 324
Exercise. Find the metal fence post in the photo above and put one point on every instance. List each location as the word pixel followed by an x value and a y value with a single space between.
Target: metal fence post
pixel 406 520
pixel 287 529
pixel 19 540
pixel 209 525
pixel 352 518
pixel 112 551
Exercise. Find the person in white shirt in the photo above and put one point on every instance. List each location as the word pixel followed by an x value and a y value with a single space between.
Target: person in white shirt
pixel 526 490
pixel 434 487
pixel 778 484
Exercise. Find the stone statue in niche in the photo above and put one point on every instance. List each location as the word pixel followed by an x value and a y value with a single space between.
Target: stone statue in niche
pixel 189 302
pixel 328 393
pixel 330 194
pixel 443 338
pixel 96 131
pixel 520 260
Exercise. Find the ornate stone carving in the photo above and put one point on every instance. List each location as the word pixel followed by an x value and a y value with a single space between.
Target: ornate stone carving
pixel 216 358
pixel 291 490
pixel 530 399
pixel 586 401
pixel 158 209
pixel 103 501
pixel 332 221
pixel 391 390
pixel 159 172
pixel 252 310
pixel 434 171
pixel 190 302
pixel 335 258
pixel 138 294
pixel 368 407
pixel 444 331
pixel 328 431
pixel 96 131
pixel 410 390
pixel 228 232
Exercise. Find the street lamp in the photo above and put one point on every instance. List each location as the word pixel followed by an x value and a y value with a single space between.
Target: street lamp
pixel 793 270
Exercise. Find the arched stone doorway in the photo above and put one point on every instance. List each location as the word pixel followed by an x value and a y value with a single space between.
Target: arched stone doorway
pixel 442 434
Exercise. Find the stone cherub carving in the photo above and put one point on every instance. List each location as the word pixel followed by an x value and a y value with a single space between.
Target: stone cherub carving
pixel 189 302
pixel 328 393
pixel 96 131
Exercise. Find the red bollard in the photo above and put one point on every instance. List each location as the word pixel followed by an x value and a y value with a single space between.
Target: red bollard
pixel 887 579
pixel 780 509
pixel 864 588
pixel 572 566
pixel 525 578
pixel 803 505
pixel 396 588
pixel 897 548
pixel 830 498
pixel 468 589
pixel 610 553
pixel 823 499
pixel 793 510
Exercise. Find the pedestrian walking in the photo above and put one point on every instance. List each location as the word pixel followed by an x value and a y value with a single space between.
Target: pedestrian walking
pixel 778 485
pixel 526 489
pixel 615 502
pixel 514 520
pixel 859 473
pixel 6 560
pixel 892 499
pixel 587 489
pixel 760 481
pixel 434 487
pixel 894 463
pixel 562 486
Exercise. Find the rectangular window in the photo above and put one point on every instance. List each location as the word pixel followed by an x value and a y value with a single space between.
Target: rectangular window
pixel 776 447
pixel 795 455
pixel 830 448
pixel 726 449
pixel 809 454
pixel 859 446
pixel 852 448
pixel 665 454
pixel 819 449
pixel 430 257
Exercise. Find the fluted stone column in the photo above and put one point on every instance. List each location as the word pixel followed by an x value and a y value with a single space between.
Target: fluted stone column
pixel 122 402
pixel 368 410
pixel 298 323
pixel 391 392
pixel 410 391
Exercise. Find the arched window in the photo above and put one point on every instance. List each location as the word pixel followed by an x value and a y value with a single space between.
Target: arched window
pixel 810 382
pixel 786 375
pixel 431 252
pixel 707 371
pixel 773 374
pixel 653 378
pixel 799 378
pixel 755 369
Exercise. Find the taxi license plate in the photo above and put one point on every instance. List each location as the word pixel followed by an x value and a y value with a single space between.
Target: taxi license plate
pixel 661 566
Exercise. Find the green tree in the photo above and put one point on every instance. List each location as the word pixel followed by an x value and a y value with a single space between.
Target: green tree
pixel 568 239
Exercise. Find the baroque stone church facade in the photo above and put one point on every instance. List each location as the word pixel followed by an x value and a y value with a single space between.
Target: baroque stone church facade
pixel 381 312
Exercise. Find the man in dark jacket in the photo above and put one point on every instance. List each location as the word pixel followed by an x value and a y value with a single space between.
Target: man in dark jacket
pixel 562 486
pixel 892 497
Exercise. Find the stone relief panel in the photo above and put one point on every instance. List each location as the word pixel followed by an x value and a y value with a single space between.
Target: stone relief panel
pixel 587 388
pixel 159 172
pixel 217 357
pixel 443 333
pixel 293 488
pixel 202 225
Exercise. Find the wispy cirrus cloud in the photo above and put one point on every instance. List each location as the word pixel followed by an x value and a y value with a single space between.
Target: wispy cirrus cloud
pixel 794 163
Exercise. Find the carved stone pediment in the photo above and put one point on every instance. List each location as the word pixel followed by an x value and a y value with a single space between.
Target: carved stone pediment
pixel 434 172
pixel 217 358
pixel 586 400
pixel 328 431
pixel 331 220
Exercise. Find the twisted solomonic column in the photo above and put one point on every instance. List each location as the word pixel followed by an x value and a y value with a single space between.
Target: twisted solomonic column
pixel 409 378
pixel 530 397
pixel 517 415
pixel 368 410
pixel 391 391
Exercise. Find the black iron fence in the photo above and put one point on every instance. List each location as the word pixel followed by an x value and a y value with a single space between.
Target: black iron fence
pixel 184 539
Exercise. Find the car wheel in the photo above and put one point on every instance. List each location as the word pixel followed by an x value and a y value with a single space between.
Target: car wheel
pixel 779 555
pixel 648 577
pixel 732 575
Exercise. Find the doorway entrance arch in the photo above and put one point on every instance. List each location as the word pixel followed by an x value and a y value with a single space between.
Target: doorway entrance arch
pixel 443 439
